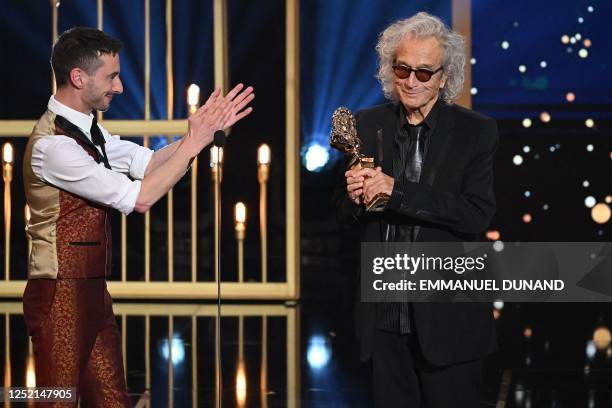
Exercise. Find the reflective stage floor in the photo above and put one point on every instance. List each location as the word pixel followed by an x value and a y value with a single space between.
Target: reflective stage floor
pixel 274 355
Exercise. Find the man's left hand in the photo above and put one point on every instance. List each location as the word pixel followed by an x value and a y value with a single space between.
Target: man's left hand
pixel 375 182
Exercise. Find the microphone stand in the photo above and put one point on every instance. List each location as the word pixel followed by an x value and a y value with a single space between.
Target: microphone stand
pixel 219 141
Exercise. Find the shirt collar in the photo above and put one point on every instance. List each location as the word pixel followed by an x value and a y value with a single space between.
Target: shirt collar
pixel 81 120
pixel 430 119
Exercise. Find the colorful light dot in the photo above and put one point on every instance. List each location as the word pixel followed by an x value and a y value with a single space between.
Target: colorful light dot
pixel 587 43
pixel 505 45
pixel 527 122
pixel 583 53
pixel 565 39
pixel 526 149
pixel 517 160
pixel 543 64
pixel 601 213
pixel 522 68
pixel 585 183
pixel 580 20
pixel 578 36
pixel 590 9
pixel 545 117
pixel 545 207
pixel 589 123
pixel 608 199
pixel 474 91
pixel 527 193
pixel 590 148
pixel 527 218
pixel 570 97
pixel 473 61
pixel 589 202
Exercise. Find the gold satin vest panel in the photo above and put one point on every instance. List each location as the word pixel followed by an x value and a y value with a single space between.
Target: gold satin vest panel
pixel 70 236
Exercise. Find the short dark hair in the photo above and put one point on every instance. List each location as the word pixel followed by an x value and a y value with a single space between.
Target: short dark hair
pixel 80 47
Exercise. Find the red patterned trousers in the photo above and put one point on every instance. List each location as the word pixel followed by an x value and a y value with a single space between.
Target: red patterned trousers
pixel 76 340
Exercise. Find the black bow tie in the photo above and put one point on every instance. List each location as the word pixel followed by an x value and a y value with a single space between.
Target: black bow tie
pixel 98 139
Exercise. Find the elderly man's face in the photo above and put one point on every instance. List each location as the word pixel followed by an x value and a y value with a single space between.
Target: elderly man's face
pixel 419 53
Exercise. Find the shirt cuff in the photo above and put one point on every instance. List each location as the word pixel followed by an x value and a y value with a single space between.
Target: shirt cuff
pixel 127 204
pixel 397 195
pixel 141 160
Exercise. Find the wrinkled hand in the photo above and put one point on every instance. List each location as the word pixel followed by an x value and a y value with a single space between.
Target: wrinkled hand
pixel 375 182
pixel 354 184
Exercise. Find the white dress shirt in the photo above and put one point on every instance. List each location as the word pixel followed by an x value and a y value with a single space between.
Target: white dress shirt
pixel 60 161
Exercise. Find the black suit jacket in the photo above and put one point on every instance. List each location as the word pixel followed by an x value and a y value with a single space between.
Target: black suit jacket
pixel 453 202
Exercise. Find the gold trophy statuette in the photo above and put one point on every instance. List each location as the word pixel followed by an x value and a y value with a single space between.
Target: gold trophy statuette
pixel 344 137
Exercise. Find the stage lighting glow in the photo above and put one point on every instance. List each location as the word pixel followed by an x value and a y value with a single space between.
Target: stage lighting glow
pixel 608 199
pixel 589 202
pixel 590 148
pixel 602 338
pixel 319 352
pixel 545 117
pixel 585 183
pixel 587 43
pixel 178 350
pixel 528 332
pixel 526 149
pixel 505 45
pixel 522 69
pixel 517 160
pixel 565 39
pixel 583 53
pixel 543 64
pixel 474 90
pixel 527 218
pixel 498 246
pixel 590 123
pixel 570 97
pixel 591 349
pixel 601 213
pixel 316 157
pixel 493 235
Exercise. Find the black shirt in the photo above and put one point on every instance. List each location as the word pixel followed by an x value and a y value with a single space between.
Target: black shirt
pixel 411 143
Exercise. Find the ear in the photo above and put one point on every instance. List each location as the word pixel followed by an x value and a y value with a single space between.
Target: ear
pixel 77 78
pixel 443 80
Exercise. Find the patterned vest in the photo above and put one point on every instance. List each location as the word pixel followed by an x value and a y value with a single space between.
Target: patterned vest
pixel 71 236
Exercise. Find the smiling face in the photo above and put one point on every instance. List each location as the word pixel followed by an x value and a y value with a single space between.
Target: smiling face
pixel 419 53
pixel 103 83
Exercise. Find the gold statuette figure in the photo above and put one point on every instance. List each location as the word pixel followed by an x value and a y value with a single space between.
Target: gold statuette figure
pixel 344 138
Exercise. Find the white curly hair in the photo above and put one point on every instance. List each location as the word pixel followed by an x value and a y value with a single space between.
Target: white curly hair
pixel 422 25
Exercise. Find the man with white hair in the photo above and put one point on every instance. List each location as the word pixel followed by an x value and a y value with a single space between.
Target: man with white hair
pixel 436 166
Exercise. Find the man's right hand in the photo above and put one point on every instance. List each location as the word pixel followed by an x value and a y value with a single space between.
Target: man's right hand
pixel 354 184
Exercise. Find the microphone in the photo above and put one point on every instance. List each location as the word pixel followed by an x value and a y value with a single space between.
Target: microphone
pixel 219 138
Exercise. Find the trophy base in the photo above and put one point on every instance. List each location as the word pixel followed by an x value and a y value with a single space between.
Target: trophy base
pixel 378 203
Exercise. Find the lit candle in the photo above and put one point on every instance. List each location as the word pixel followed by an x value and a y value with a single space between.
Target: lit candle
pixel 240 227
pixel 193 98
pixel 263 173
pixel 7 177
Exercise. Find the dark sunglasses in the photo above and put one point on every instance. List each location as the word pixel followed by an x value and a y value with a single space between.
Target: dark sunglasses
pixel 422 74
